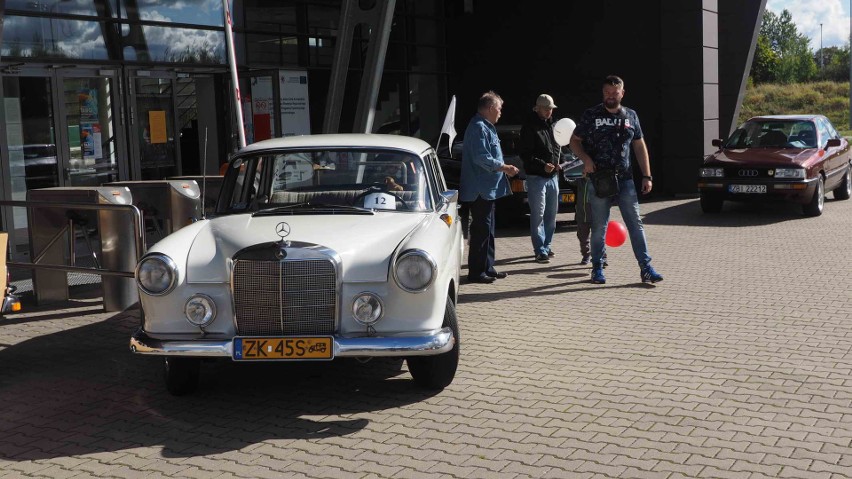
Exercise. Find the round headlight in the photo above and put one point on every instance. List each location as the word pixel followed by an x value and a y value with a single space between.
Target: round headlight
pixel 200 310
pixel 367 308
pixel 414 271
pixel 156 274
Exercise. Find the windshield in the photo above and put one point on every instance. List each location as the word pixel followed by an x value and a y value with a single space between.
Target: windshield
pixel 774 134
pixel 386 180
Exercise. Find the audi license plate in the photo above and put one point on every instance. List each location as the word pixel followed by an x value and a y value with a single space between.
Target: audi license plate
pixel 747 188
pixel 279 348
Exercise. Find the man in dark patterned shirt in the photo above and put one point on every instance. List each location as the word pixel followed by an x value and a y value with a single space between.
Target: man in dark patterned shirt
pixel 603 140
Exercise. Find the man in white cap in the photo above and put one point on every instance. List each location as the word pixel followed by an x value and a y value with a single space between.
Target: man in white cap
pixel 541 153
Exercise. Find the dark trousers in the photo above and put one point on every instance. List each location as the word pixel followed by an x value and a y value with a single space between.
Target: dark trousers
pixel 480 254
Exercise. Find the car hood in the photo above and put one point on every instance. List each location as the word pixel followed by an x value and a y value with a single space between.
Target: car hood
pixel 364 243
pixel 767 157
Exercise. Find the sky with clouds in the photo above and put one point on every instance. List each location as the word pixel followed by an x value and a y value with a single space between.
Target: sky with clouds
pixel 833 14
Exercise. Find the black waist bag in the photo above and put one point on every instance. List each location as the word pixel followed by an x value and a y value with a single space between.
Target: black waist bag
pixel 605 182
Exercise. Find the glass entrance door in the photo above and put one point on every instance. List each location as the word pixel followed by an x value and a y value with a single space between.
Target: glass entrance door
pixel 88 110
pixel 60 128
pixel 29 127
pixel 155 146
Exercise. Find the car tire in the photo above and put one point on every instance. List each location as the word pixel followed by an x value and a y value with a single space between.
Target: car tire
pixel 844 191
pixel 817 203
pixel 181 375
pixel 711 203
pixel 437 372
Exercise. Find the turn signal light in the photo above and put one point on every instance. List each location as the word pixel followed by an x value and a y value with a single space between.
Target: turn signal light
pixel 447 219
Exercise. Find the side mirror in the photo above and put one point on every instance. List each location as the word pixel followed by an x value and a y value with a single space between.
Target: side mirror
pixel 450 196
pixel 832 143
pixel 717 143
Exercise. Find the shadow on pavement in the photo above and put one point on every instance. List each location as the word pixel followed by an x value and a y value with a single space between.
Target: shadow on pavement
pixel 576 279
pixel 81 391
pixel 733 214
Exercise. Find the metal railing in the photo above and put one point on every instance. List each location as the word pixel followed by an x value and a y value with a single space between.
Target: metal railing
pixel 138 236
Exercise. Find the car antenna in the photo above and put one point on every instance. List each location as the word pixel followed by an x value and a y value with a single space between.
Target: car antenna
pixel 204 178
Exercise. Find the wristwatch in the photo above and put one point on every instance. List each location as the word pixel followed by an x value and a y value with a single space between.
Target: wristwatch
pixel 649 178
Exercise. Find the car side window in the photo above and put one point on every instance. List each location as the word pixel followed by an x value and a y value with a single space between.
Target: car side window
pixel 824 134
pixel 246 184
pixel 830 128
pixel 437 174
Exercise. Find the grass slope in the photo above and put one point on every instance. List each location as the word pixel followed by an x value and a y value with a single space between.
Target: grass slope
pixel 826 98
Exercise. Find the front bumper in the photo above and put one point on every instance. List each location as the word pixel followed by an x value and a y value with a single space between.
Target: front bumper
pixel 799 191
pixel 427 343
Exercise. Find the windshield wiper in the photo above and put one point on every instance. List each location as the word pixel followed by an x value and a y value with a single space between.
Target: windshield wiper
pixel 313 209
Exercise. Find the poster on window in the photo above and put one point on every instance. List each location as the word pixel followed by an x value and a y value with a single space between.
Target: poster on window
pixel 88 105
pixel 295 108
pixel 262 102
pixel 157 126
pixel 90 141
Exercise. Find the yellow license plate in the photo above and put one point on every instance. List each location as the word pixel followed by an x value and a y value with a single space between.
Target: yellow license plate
pixel 568 198
pixel 292 348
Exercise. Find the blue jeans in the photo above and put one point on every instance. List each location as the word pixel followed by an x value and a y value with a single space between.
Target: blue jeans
pixel 628 203
pixel 543 198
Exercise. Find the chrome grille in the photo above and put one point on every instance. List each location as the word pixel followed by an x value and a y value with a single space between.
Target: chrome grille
pixel 284 298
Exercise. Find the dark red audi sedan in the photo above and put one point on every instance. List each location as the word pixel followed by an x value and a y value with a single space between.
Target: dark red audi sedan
pixel 795 158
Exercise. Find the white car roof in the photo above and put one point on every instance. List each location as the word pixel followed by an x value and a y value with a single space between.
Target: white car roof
pixel 359 140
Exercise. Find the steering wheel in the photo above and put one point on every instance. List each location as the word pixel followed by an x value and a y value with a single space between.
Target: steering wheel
pixel 378 189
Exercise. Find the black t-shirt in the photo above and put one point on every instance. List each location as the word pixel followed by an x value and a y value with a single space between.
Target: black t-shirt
pixel 607 137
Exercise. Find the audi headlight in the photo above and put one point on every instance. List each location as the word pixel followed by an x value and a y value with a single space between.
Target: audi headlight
pixel 200 310
pixel 712 172
pixel 797 173
pixel 414 271
pixel 156 274
pixel 367 308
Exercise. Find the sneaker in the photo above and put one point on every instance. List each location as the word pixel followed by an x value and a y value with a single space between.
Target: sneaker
pixel 597 275
pixel 542 258
pixel 648 274
pixel 550 254
pixel 586 260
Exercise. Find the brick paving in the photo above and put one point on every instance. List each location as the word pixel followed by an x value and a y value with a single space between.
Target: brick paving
pixel 737 365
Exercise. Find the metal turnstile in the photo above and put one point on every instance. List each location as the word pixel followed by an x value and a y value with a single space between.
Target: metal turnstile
pixel 212 187
pixel 166 205
pixel 54 234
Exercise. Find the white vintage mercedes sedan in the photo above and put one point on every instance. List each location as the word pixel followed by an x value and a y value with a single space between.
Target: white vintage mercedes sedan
pixel 322 247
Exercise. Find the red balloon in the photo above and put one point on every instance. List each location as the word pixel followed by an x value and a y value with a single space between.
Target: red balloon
pixel 616 234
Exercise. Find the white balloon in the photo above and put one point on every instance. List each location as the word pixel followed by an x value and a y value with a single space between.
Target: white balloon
pixel 562 131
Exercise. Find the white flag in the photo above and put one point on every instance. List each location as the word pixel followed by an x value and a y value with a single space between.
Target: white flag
pixel 449 125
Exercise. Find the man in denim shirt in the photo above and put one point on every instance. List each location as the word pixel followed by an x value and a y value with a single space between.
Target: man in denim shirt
pixel 483 180
pixel 603 140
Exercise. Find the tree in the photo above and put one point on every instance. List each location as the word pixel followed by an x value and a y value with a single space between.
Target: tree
pixel 835 62
pixel 791 59
pixel 765 63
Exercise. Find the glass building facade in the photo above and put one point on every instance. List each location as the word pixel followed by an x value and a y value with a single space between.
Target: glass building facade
pixel 106 90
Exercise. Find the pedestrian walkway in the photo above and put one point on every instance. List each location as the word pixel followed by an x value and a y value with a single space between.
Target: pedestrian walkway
pixel 737 365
